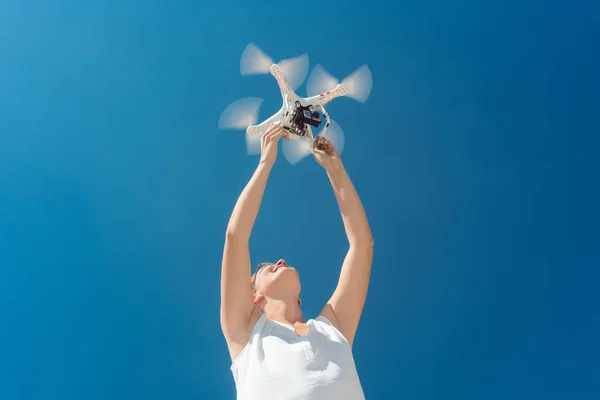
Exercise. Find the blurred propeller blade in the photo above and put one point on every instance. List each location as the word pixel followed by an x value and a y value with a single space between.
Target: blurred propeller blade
pixel 294 70
pixel 359 84
pixel 241 113
pixel 253 143
pixel 320 81
pixel 254 61
pixel 335 135
pixel 295 150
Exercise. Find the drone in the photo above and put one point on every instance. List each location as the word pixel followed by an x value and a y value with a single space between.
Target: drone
pixel 297 115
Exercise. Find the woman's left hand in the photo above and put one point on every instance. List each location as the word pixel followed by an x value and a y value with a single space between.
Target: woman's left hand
pixel 325 153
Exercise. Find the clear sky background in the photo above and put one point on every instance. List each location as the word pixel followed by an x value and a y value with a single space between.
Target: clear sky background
pixel 475 158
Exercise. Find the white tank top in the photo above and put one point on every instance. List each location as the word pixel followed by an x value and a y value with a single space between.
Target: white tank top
pixel 278 364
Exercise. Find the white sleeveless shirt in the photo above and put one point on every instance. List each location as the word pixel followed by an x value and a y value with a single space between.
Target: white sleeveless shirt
pixel 278 364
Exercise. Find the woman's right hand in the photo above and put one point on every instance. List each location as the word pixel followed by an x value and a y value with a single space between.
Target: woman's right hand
pixel 270 143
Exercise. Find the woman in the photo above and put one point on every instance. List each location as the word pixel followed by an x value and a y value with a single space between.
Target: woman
pixel 275 353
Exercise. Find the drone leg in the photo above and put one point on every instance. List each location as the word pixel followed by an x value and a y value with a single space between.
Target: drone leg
pixel 327 120
pixel 310 138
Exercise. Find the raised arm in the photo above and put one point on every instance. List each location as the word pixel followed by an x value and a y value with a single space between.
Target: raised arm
pixel 236 293
pixel 345 306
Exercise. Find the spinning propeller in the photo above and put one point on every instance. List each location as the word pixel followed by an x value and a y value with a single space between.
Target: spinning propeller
pixel 239 115
pixel 255 61
pixel 297 114
pixel 358 84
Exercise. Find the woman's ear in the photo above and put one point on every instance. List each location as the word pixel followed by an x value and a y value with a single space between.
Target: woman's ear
pixel 258 297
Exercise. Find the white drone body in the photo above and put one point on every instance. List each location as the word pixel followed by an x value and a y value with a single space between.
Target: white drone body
pixel 294 104
pixel 297 115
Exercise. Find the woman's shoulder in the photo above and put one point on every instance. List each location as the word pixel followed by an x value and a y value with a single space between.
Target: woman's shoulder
pixel 325 324
pixel 255 324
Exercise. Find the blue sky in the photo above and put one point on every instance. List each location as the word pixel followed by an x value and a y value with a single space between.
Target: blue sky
pixel 475 158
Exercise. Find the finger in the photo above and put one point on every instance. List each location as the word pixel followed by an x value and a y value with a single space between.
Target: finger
pixel 266 134
pixel 316 143
pixel 275 128
pixel 319 141
pixel 269 133
pixel 271 137
pixel 328 145
pixel 324 145
pixel 269 130
pixel 285 133
pixel 319 153
pixel 264 139
pixel 277 135
pixel 272 128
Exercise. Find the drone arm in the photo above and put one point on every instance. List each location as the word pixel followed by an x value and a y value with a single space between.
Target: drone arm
pixel 283 85
pixel 324 98
pixel 257 129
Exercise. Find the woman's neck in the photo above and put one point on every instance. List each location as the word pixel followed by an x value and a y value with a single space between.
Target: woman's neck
pixel 284 310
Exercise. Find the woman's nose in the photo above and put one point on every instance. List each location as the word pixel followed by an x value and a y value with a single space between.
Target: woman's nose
pixel 282 262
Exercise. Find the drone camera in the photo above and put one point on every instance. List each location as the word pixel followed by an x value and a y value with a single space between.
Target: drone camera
pixel 305 116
